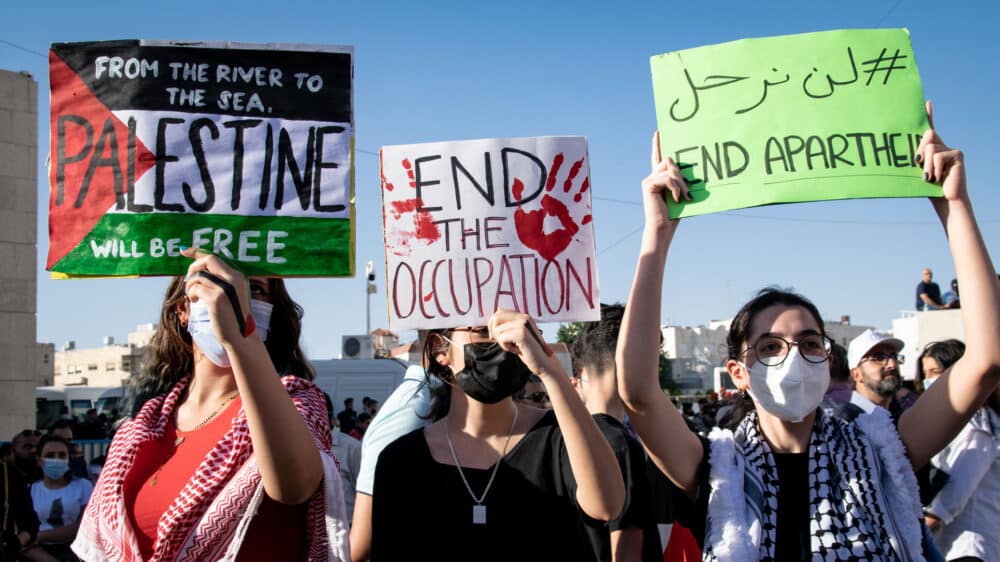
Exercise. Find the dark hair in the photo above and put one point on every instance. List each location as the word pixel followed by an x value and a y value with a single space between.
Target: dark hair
pixel 24 433
pixel 49 438
pixel 348 401
pixel 839 369
pixel 6 449
pixel 739 332
pixel 946 353
pixel 363 417
pixel 169 355
pixel 329 405
pixel 440 393
pixel 594 347
pixel 60 424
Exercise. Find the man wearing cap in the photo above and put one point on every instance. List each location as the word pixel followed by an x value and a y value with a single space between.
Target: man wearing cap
pixel 874 361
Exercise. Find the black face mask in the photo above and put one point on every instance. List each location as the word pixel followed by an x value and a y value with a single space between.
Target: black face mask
pixel 491 374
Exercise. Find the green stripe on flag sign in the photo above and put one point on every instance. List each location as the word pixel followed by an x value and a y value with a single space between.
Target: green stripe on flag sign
pixel 149 244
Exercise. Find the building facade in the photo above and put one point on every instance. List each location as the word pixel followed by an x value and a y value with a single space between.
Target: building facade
pixel 19 353
pixel 698 353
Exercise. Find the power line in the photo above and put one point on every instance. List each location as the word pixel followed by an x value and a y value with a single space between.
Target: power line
pixel 25 49
pixel 886 15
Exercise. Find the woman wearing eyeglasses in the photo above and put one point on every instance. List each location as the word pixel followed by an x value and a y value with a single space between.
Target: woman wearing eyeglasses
pixel 792 482
pixel 491 479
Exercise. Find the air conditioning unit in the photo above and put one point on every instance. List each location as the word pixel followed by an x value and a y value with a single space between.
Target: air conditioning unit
pixel 357 347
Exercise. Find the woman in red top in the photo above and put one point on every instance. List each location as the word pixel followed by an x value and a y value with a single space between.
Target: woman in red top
pixel 222 459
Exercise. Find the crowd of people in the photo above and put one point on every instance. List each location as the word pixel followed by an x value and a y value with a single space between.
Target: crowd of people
pixel 490 450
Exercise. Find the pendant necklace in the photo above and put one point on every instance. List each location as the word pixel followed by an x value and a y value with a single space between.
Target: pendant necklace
pixel 181 436
pixel 478 509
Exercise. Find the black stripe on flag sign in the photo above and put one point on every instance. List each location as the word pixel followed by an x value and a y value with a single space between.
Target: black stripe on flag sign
pixel 302 85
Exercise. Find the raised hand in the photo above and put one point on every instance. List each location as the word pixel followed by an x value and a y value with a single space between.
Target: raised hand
pixel 665 176
pixel 942 164
pixel 530 225
pixel 223 290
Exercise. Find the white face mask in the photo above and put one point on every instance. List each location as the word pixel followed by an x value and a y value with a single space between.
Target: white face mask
pixel 200 328
pixel 261 311
pixel 929 382
pixel 791 390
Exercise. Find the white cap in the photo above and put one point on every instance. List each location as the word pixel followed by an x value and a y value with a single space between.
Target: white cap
pixel 864 343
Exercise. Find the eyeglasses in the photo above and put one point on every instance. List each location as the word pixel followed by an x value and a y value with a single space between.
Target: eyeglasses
pixel 537 397
pixel 883 358
pixel 773 350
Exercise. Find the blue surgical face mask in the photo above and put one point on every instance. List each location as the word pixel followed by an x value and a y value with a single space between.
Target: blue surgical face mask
pixel 55 468
pixel 200 328
pixel 929 382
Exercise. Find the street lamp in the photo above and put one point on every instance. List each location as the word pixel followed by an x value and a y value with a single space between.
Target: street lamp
pixel 369 291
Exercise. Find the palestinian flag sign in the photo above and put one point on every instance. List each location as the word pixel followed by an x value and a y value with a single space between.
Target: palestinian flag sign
pixel 244 150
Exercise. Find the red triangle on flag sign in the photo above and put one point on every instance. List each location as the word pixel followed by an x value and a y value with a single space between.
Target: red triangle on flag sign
pixel 88 167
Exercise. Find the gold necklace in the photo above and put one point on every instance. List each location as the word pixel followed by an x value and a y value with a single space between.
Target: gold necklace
pixel 181 436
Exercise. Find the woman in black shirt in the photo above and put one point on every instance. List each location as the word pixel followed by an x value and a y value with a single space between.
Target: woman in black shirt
pixel 491 480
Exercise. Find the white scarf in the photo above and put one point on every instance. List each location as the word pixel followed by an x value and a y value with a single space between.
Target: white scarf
pixel 863 499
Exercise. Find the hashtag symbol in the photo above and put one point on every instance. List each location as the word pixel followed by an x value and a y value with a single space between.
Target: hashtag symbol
pixel 877 66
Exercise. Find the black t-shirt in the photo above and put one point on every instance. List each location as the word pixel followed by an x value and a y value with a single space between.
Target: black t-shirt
pixel 792 538
pixel 421 510
pixel 638 510
pixel 932 290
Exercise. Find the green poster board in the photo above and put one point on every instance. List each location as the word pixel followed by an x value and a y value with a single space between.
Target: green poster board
pixel 809 117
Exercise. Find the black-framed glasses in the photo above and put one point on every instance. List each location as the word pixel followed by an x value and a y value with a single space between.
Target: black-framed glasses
pixel 883 358
pixel 773 350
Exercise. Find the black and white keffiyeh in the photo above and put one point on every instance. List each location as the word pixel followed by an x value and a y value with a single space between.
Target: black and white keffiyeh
pixel 863 500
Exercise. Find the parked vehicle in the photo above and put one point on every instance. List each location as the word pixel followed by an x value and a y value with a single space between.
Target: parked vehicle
pixel 49 401
pixel 357 378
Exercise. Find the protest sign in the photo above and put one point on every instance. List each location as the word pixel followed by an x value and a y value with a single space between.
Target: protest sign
pixel 476 226
pixel 242 150
pixel 810 117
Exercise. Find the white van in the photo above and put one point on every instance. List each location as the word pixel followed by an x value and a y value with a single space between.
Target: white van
pixel 357 378
pixel 49 400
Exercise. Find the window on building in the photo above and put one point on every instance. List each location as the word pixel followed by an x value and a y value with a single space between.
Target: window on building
pixel 70 369
pixel 92 367
pixel 109 366
pixel 126 364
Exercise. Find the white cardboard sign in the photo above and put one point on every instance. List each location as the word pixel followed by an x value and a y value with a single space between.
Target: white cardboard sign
pixel 476 226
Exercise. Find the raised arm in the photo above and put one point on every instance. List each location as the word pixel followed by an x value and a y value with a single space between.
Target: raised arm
pixel 940 413
pixel 672 446
pixel 600 489
pixel 289 460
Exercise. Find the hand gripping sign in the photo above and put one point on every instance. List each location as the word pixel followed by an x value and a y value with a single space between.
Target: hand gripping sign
pixel 475 226
pixel 244 150
pixel 809 117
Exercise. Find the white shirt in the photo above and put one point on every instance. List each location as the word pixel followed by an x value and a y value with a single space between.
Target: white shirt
pixel 400 414
pixel 60 507
pixel 969 502
pixel 861 402
pixel 347 451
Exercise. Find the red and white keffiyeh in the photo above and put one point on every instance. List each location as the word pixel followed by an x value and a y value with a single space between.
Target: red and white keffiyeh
pixel 209 518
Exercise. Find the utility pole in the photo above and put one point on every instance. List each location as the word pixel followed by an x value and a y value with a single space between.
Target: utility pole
pixel 370 290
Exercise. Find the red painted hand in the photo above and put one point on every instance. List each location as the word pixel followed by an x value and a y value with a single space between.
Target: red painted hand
pixel 409 223
pixel 530 225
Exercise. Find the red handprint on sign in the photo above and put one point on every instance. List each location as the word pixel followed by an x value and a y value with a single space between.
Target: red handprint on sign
pixel 530 225
pixel 409 222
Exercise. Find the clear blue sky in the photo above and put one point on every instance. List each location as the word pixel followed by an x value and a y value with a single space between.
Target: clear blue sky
pixel 429 71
